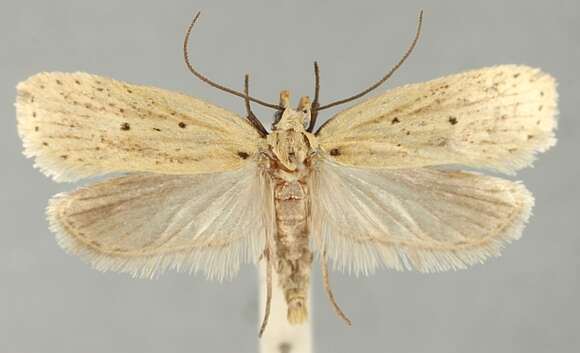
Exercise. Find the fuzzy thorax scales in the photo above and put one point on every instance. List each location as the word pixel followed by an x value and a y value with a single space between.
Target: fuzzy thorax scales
pixel 290 144
pixel 290 150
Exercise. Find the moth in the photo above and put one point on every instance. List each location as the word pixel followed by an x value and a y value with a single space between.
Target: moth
pixel 205 189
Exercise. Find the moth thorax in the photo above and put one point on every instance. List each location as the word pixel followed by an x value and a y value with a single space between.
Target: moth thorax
pixel 297 312
pixel 289 146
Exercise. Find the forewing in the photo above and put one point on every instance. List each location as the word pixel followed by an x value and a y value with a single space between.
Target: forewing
pixel 423 219
pixel 77 125
pixel 145 223
pixel 495 118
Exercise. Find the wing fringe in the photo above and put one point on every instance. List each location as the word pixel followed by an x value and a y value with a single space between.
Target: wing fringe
pixel 217 264
pixel 365 257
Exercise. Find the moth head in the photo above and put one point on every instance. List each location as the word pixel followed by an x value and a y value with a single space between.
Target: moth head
pixel 290 119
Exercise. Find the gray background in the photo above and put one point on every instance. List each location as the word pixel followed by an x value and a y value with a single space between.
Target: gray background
pixel 525 301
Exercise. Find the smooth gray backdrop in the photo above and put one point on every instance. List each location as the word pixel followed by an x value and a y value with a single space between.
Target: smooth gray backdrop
pixel 526 301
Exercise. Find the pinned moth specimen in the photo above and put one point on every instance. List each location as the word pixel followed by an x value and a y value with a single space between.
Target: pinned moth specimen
pixel 207 189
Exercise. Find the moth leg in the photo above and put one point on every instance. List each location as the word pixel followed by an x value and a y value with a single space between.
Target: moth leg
pixel 268 292
pixel 328 290
pixel 249 114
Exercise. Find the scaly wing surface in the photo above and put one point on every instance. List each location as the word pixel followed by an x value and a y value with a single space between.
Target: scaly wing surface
pixel 77 125
pixel 423 219
pixel 494 118
pixel 146 223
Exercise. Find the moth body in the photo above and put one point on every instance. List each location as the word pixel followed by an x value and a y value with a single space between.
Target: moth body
pixel 289 153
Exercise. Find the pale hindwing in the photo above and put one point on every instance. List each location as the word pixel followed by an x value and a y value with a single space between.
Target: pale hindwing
pixel 495 118
pixel 77 125
pixel 423 219
pixel 146 223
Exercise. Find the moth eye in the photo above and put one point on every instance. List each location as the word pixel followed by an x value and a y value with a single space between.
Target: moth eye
pixel 305 111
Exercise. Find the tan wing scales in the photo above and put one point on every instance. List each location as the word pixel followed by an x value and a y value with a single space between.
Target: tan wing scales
pixel 423 219
pixel 495 118
pixel 77 125
pixel 145 223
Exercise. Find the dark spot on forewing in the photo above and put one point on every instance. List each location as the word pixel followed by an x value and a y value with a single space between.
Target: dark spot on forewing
pixel 95 243
pixel 334 152
pixel 395 120
pixel 243 155
pixel 452 120
pixel 182 125
pixel 125 126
